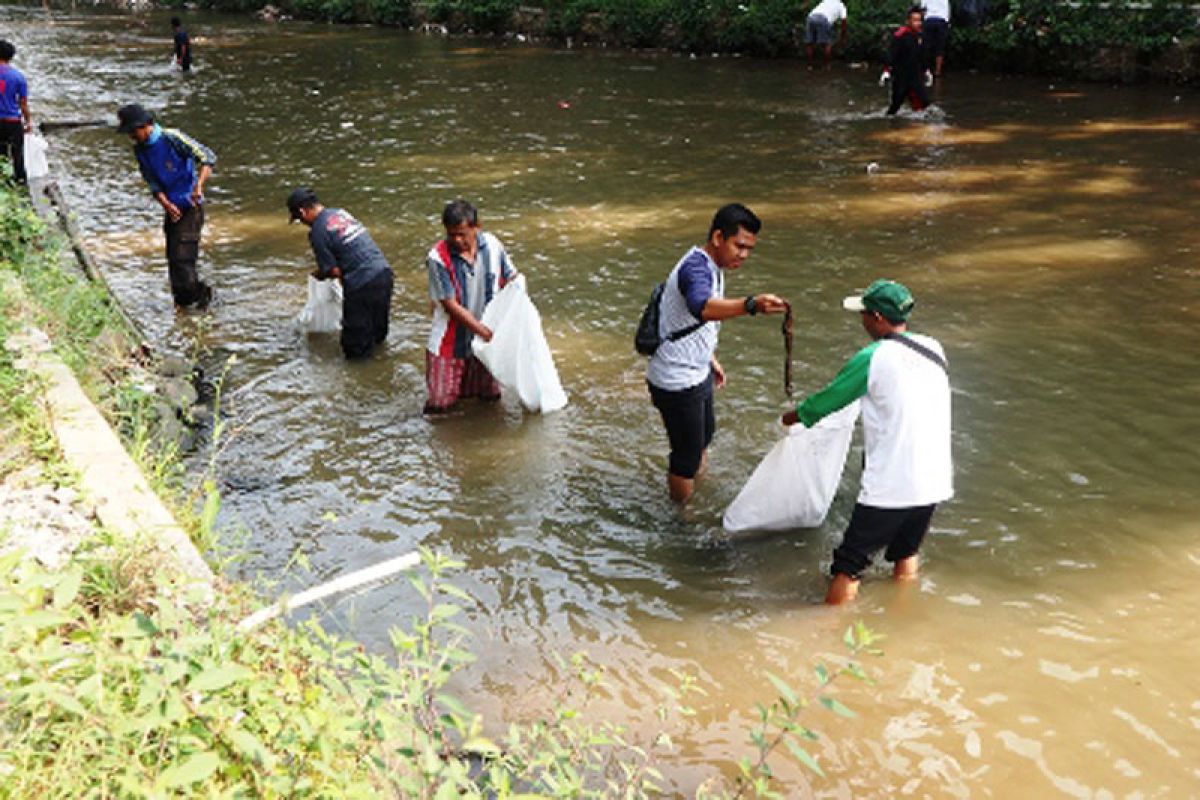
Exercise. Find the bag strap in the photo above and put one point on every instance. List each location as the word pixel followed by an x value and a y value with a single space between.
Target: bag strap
pixel 919 348
pixel 690 329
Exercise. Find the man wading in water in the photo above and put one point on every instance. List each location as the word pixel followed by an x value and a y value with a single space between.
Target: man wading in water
pixel 467 269
pixel 901 378
pixel 683 371
pixel 906 68
pixel 175 167
pixel 345 251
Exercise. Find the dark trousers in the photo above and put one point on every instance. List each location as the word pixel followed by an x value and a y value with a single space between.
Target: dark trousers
pixel 911 89
pixel 183 250
pixel 12 146
pixel 688 416
pixel 365 313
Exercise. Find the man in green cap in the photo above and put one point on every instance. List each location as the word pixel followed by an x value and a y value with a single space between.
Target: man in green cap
pixel 902 381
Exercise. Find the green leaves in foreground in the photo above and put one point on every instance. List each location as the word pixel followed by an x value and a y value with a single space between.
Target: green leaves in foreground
pixel 158 696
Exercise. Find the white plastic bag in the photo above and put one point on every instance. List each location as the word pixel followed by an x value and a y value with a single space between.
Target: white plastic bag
pixel 518 355
pixel 35 157
pixel 794 485
pixel 323 311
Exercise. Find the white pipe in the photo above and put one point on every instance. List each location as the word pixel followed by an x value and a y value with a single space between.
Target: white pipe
pixel 341 584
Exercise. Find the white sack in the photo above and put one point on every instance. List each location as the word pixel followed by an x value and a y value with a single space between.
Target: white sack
pixel 518 355
pixel 794 485
pixel 323 311
pixel 35 156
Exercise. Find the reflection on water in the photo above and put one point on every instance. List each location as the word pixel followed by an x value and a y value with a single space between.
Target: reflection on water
pixel 1048 233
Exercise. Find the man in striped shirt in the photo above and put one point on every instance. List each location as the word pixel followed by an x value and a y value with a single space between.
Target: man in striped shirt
pixel 175 167
pixel 684 369
pixel 466 270
pixel 902 381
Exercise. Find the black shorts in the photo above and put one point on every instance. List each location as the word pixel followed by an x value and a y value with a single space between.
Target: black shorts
pixel 871 529
pixel 937 31
pixel 690 423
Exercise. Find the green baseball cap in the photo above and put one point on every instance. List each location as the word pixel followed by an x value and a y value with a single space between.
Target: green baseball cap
pixel 891 299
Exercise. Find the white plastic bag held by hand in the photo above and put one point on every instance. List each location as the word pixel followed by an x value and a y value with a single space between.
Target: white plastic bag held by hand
pixel 794 485
pixel 35 157
pixel 518 355
pixel 323 311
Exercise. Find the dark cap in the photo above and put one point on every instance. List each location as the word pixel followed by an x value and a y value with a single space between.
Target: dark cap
pixel 131 117
pixel 301 197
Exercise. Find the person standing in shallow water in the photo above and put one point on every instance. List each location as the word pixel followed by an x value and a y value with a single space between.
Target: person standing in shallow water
pixel 905 390
pixel 467 269
pixel 346 252
pixel 183 45
pixel 176 167
pixel 684 371
pixel 907 65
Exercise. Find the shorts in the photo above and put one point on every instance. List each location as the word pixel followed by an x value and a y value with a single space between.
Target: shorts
pixel 818 30
pixel 688 417
pixel 937 31
pixel 871 529
pixel 449 379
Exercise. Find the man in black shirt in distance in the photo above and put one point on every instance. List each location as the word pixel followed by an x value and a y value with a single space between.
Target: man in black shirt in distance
pixel 183 45
pixel 907 67
pixel 344 250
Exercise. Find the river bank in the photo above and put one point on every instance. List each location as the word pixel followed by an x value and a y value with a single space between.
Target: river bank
pixel 1091 40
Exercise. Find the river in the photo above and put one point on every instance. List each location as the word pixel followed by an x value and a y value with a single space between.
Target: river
pixel 1049 232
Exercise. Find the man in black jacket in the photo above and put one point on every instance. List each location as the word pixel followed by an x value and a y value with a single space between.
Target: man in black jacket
pixel 907 67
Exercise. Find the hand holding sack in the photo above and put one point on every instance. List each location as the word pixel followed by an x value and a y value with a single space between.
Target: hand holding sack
pixel 885 77
pixel 794 485
pixel 518 356
pixel 323 311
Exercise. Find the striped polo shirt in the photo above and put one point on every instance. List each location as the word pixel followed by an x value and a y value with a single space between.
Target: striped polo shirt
pixel 685 362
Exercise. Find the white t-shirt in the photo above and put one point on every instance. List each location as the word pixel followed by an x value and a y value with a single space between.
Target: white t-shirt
pixel 832 10
pixel 936 8
pixel 906 428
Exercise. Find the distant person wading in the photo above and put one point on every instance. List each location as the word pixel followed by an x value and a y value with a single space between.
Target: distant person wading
pixel 182 45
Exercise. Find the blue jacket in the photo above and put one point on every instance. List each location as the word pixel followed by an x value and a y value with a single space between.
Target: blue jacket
pixel 169 161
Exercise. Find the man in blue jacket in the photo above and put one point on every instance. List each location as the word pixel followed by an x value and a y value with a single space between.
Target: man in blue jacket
pixel 175 167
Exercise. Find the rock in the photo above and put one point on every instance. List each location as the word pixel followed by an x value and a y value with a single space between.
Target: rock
pixel 175 367
pixel 180 392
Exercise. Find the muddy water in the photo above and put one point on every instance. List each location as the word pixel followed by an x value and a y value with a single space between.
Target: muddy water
pixel 1048 231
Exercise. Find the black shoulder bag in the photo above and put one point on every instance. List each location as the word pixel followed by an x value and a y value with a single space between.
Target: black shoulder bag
pixel 646 341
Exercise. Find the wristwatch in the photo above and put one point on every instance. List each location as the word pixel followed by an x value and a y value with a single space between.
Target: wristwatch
pixel 751 305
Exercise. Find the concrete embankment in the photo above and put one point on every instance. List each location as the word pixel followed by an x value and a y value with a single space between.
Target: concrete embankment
pixel 111 486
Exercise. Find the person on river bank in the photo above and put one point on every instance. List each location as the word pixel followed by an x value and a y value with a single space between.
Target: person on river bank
pixel 902 380
pixel 182 44
pixel 818 29
pixel 346 252
pixel 937 32
pixel 466 270
pixel 15 121
pixel 684 370
pixel 175 167
pixel 907 68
